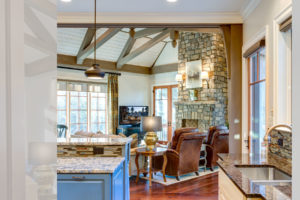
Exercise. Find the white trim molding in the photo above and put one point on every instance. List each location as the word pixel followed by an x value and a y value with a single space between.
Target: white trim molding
pixel 175 18
pixel 248 8
pixel 263 33
pixel 281 17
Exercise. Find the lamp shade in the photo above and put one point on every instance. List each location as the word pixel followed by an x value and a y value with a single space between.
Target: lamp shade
pixel 204 75
pixel 151 124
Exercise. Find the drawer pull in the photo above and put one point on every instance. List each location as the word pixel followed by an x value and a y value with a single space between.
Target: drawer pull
pixel 78 178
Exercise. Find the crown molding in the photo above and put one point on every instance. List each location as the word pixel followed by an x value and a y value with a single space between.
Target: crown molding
pixel 170 18
pixel 248 8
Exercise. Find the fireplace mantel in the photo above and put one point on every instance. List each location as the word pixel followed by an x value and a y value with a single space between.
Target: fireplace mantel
pixel 195 102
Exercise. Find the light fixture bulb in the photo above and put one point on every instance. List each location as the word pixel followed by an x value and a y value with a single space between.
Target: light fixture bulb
pixel 171 1
pixel 66 0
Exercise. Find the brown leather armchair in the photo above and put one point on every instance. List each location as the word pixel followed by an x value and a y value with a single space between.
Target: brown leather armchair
pixel 184 153
pixel 217 142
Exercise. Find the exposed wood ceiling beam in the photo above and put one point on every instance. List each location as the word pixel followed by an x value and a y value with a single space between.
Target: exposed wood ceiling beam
pixel 86 40
pixel 164 68
pixel 147 31
pixel 201 30
pixel 100 41
pixel 127 48
pixel 143 48
pixel 70 61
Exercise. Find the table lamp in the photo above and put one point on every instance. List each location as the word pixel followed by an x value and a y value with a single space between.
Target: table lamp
pixel 151 125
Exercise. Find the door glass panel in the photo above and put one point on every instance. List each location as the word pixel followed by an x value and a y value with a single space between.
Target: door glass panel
pixel 174 99
pixel 161 109
pixel 258 107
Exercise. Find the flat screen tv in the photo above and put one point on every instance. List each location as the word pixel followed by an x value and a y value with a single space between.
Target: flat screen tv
pixel 131 115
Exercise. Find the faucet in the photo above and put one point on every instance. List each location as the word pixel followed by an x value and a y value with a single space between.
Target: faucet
pixel 276 126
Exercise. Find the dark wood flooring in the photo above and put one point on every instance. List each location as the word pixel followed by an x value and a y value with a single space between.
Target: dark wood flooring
pixel 202 188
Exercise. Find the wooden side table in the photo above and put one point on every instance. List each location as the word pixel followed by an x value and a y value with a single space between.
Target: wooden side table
pixel 156 152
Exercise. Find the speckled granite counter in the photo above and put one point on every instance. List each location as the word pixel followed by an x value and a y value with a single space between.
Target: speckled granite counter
pixel 88 165
pixel 93 141
pixel 227 163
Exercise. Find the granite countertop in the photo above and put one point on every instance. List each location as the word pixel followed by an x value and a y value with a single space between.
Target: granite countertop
pixel 88 165
pixel 93 141
pixel 227 163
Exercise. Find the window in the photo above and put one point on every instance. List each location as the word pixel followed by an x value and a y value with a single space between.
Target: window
pixel 82 106
pixel 284 67
pixel 78 111
pixel 257 99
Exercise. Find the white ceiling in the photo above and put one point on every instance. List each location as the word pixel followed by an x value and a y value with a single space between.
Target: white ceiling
pixel 69 41
pixel 180 6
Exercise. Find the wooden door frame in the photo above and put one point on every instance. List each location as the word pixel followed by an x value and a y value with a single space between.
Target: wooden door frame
pixel 169 87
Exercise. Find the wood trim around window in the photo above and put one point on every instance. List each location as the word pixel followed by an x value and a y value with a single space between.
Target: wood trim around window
pixel 254 48
pixel 286 24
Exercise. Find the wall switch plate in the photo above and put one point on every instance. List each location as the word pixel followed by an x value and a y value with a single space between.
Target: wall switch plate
pixel 280 142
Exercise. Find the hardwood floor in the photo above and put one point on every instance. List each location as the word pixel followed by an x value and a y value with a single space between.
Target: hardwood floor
pixel 202 188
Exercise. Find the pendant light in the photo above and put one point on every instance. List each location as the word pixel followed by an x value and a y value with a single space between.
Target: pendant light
pixel 95 71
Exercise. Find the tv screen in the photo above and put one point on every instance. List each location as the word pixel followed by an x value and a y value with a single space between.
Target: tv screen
pixel 131 115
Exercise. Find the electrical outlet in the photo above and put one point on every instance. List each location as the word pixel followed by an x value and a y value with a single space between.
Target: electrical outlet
pixel 280 142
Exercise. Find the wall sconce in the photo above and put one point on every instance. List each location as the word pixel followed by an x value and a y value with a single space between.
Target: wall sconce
pixel 180 79
pixel 205 77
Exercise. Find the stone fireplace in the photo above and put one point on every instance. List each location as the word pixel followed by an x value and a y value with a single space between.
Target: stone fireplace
pixel 211 107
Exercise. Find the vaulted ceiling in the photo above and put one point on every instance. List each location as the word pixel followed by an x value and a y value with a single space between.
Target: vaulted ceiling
pixel 148 48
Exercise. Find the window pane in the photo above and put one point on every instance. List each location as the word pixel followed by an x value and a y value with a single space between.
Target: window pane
pixel 61 117
pixel 61 102
pixel 101 102
pixel 101 94
pixel 102 128
pixel 83 116
pixel 158 94
pixel 258 115
pixel 83 127
pixel 94 116
pixel 83 94
pixel 262 64
pixel 164 93
pixel 94 128
pixel 101 116
pixel 83 103
pixel 253 68
pixel 59 92
pixel 74 128
pixel 74 93
pixel 74 117
pixel 74 103
pixel 94 103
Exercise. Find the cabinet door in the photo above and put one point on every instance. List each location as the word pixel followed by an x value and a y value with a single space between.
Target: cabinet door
pixel 89 188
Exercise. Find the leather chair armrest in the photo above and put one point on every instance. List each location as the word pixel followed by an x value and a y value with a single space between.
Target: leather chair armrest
pixel 172 153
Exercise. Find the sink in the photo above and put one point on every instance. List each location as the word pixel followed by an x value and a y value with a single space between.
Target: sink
pixel 268 175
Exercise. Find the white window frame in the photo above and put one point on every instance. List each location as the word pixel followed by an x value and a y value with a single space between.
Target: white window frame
pixel 263 33
pixel 282 109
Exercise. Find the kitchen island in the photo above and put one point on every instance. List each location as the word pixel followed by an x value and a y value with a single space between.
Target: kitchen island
pixel 98 178
pixel 256 177
pixel 106 147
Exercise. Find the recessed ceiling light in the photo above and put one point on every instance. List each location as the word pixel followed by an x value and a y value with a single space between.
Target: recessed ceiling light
pixel 171 1
pixel 66 0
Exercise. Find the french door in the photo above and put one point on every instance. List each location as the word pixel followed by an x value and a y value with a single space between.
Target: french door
pixel 257 100
pixel 163 105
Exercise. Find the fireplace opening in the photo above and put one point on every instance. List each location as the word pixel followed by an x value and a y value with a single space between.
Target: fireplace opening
pixel 193 123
